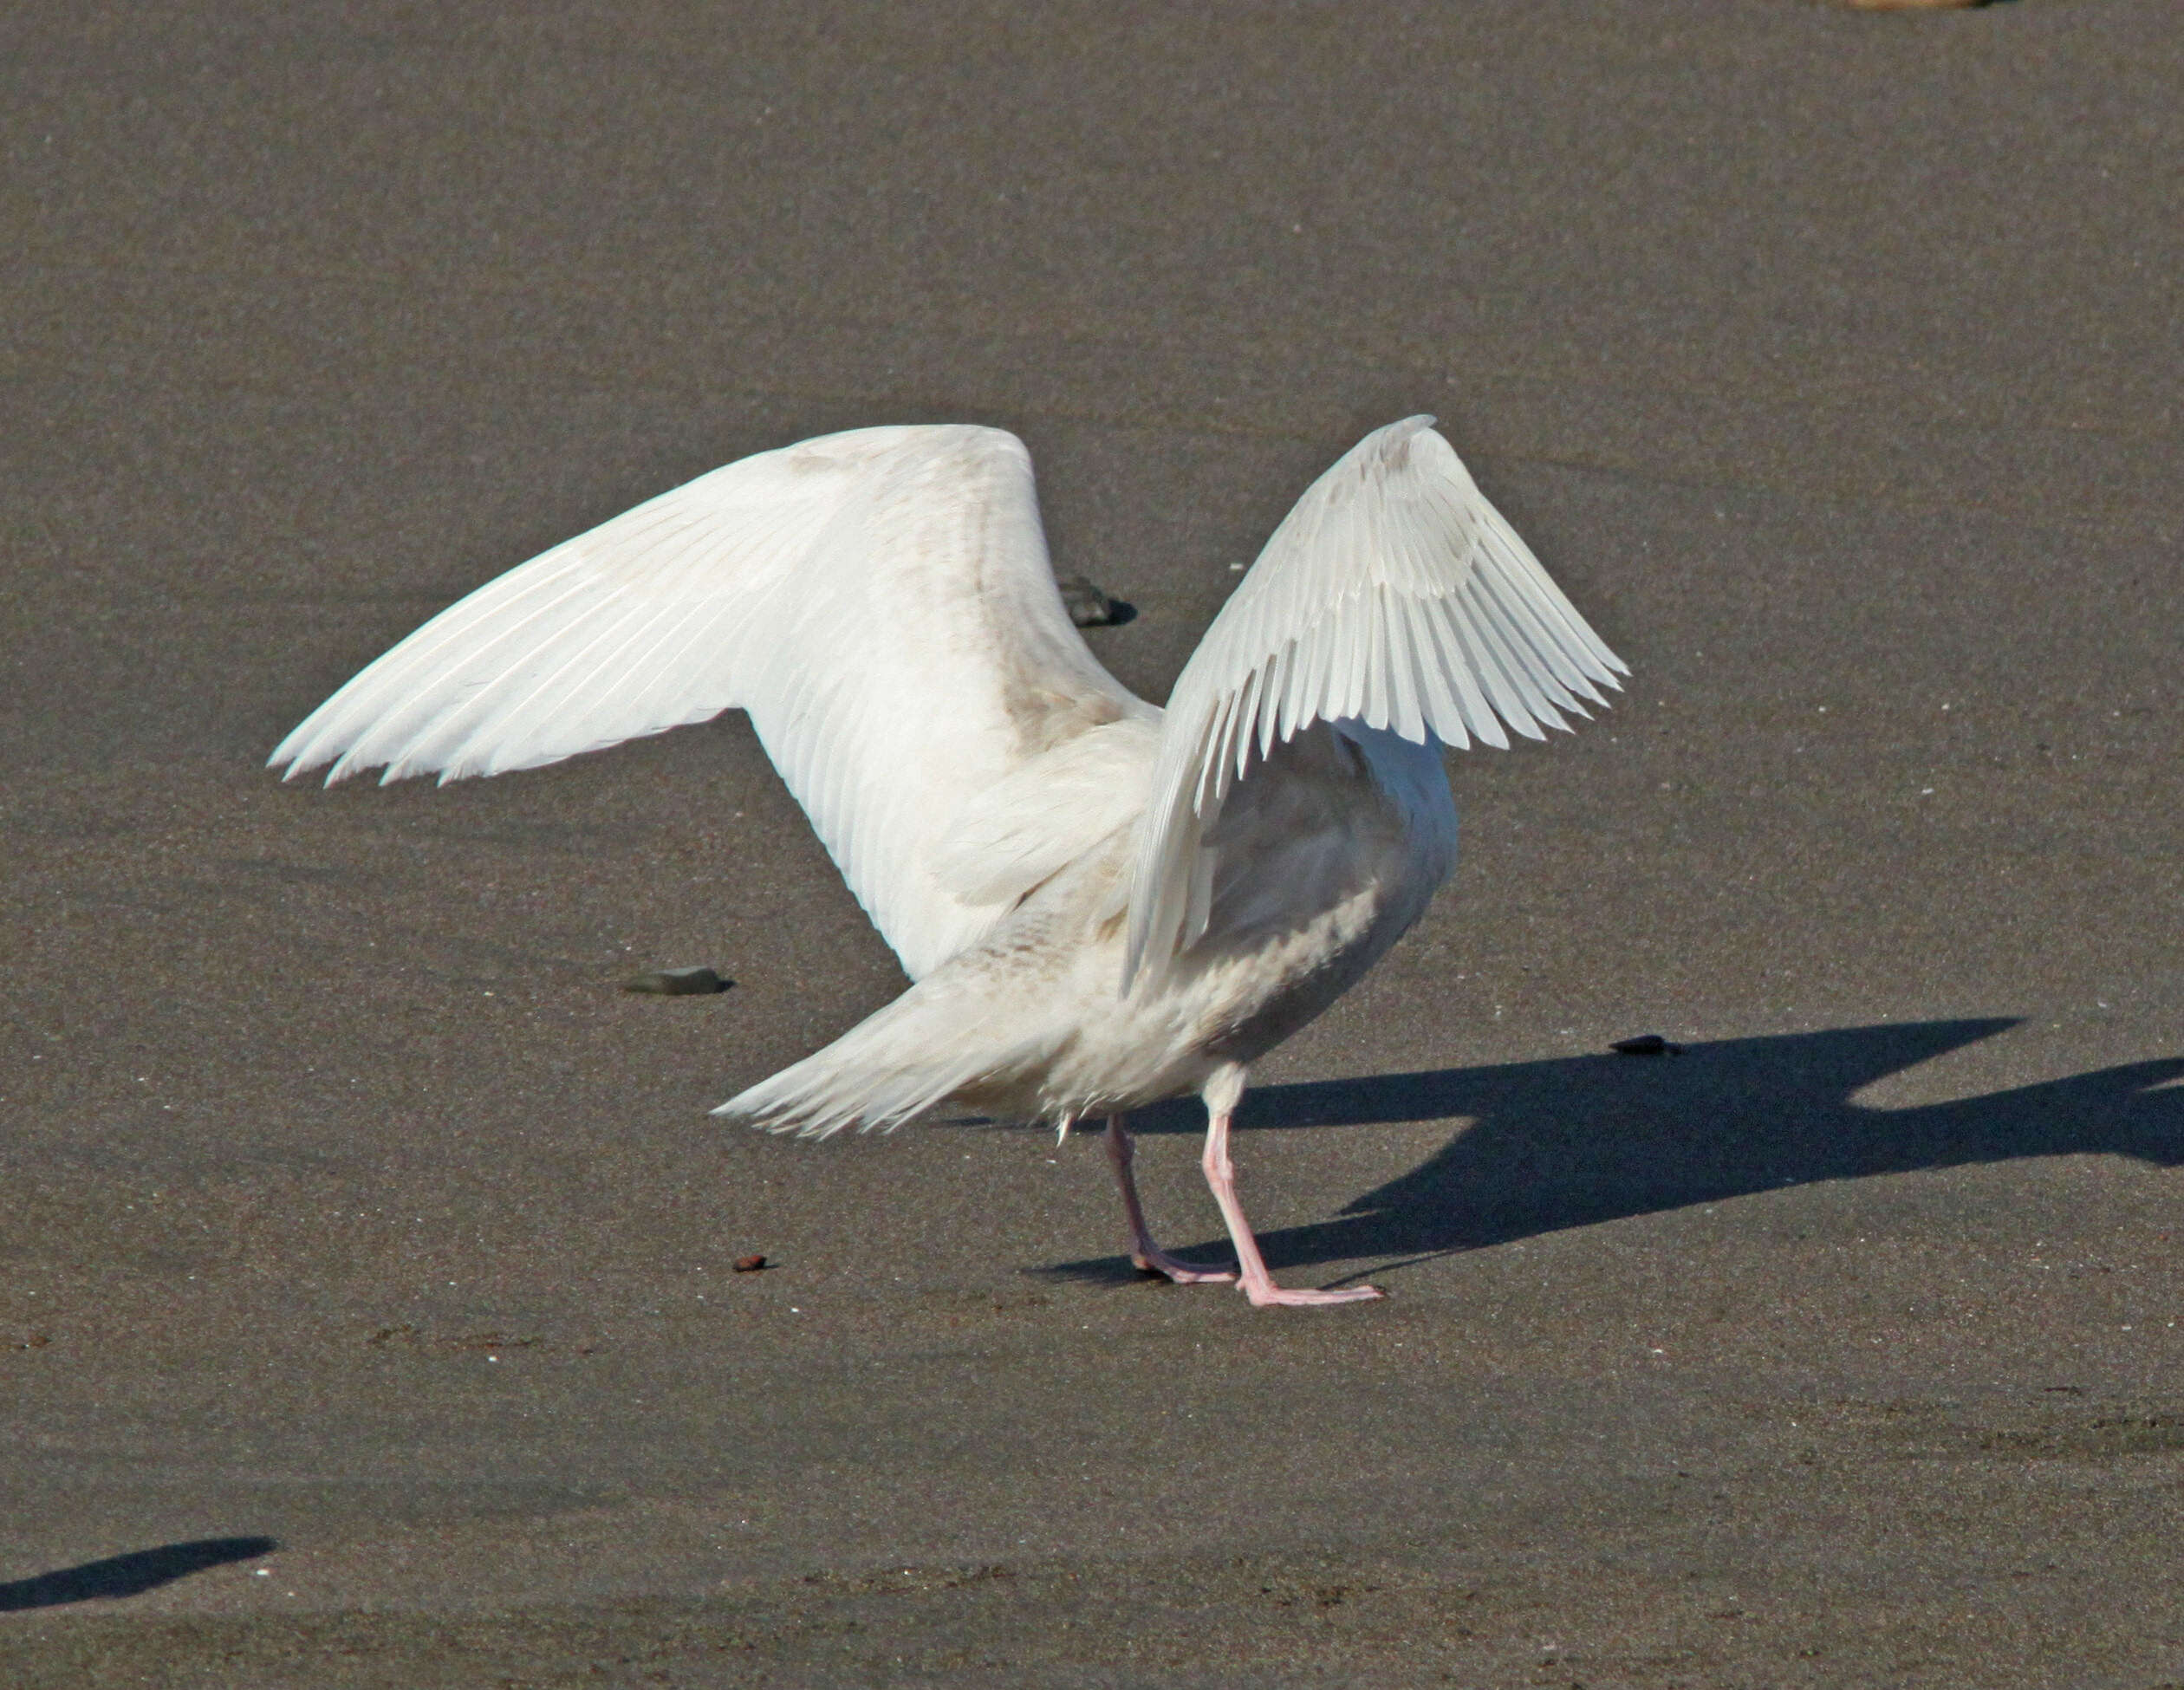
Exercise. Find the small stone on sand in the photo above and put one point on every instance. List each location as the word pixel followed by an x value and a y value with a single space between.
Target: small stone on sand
pixel 1091 607
pixel 1646 1045
pixel 677 982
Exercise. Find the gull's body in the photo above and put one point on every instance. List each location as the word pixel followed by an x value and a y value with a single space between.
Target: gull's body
pixel 1101 905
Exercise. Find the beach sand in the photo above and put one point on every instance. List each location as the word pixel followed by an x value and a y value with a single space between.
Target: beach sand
pixel 367 1305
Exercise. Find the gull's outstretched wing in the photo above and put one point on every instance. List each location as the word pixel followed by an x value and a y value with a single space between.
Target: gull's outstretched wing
pixel 1393 594
pixel 880 602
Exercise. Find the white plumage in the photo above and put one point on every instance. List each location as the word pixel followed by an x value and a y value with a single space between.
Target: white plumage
pixel 1101 903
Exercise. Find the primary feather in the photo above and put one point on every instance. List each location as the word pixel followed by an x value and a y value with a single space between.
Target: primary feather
pixel 1393 594
pixel 880 602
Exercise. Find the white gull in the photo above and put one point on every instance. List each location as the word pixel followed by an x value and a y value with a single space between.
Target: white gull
pixel 1099 904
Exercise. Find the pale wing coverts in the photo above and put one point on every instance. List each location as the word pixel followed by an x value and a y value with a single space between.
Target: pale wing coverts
pixel 880 602
pixel 1393 594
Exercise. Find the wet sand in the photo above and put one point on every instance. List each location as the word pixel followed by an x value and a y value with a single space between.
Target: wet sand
pixel 367 1315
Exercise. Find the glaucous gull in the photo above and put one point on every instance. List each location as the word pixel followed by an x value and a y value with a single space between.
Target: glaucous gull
pixel 1099 904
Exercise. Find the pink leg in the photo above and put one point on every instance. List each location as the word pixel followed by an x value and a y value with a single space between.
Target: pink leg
pixel 1258 1284
pixel 1148 1256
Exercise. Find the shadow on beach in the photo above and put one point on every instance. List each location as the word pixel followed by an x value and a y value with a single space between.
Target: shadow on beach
pixel 128 1575
pixel 1580 1140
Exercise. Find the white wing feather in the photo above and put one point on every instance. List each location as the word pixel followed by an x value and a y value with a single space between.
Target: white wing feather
pixel 880 601
pixel 1393 594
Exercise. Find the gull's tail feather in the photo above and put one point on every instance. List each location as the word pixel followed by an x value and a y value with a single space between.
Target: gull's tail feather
pixel 905 1061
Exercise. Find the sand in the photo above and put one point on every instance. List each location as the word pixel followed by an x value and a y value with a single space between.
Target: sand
pixel 366 1309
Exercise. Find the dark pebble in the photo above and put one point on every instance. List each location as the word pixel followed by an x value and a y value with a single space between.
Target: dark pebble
pixel 1089 607
pixel 677 982
pixel 1646 1045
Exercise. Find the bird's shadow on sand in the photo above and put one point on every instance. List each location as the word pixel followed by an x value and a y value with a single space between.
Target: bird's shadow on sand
pixel 1578 1140
pixel 128 1575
